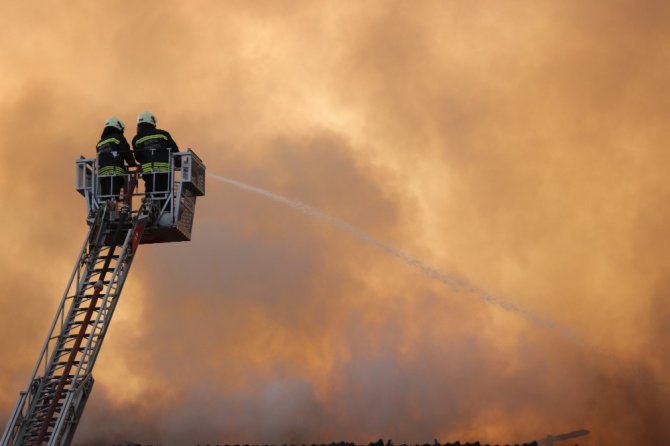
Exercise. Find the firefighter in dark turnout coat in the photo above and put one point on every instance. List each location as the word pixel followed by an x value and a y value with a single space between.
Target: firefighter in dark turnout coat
pixel 114 156
pixel 153 149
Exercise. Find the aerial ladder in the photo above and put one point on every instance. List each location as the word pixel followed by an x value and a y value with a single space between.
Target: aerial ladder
pixel 49 409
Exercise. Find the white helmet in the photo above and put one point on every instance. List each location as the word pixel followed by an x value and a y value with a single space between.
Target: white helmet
pixel 115 122
pixel 147 117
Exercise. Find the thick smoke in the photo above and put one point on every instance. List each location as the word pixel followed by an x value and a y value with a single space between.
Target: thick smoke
pixel 454 282
pixel 520 144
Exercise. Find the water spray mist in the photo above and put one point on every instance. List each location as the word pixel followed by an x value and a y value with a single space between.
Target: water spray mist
pixel 454 282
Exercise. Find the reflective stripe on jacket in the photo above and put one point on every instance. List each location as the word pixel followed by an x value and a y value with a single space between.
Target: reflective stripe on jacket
pixel 155 166
pixel 113 152
pixel 147 138
pixel 111 170
pixel 154 148
pixel 107 141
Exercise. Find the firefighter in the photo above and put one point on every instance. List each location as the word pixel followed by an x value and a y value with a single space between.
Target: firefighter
pixel 114 156
pixel 153 149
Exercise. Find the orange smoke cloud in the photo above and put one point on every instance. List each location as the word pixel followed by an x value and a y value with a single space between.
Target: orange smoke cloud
pixel 520 145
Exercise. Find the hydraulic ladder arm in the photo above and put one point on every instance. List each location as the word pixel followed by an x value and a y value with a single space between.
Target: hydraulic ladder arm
pixel 49 410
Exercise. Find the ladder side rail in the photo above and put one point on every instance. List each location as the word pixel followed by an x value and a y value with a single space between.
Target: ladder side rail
pixel 60 312
pixel 74 408
pixel 110 298
pixel 98 229
pixel 26 402
pixel 83 273
pixel 75 312
pixel 66 379
pixel 12 425
pixel 55 433
pixel 102 316
pixel 98 330
pixel 71 406
pixel 60 315
pixel 128 254
pixel 101 279
pixel 38 426
pixel 86 362
pixel 41 429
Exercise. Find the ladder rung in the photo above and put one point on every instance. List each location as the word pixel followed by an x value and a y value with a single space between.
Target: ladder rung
pixel 83 310
pixel 99 270
pixel 61 354
pixel 61 363
pixel 85 335
pixel 47 405
pixel 110 268
pixel 95 282
pixel 88 296
pixel 103 257
pixel 69 349
pixel 68 377
pixel 71 325
pixel 96 268
pixel 65 337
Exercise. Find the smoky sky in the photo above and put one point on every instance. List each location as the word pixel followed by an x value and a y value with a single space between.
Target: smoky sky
pixel 519 144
